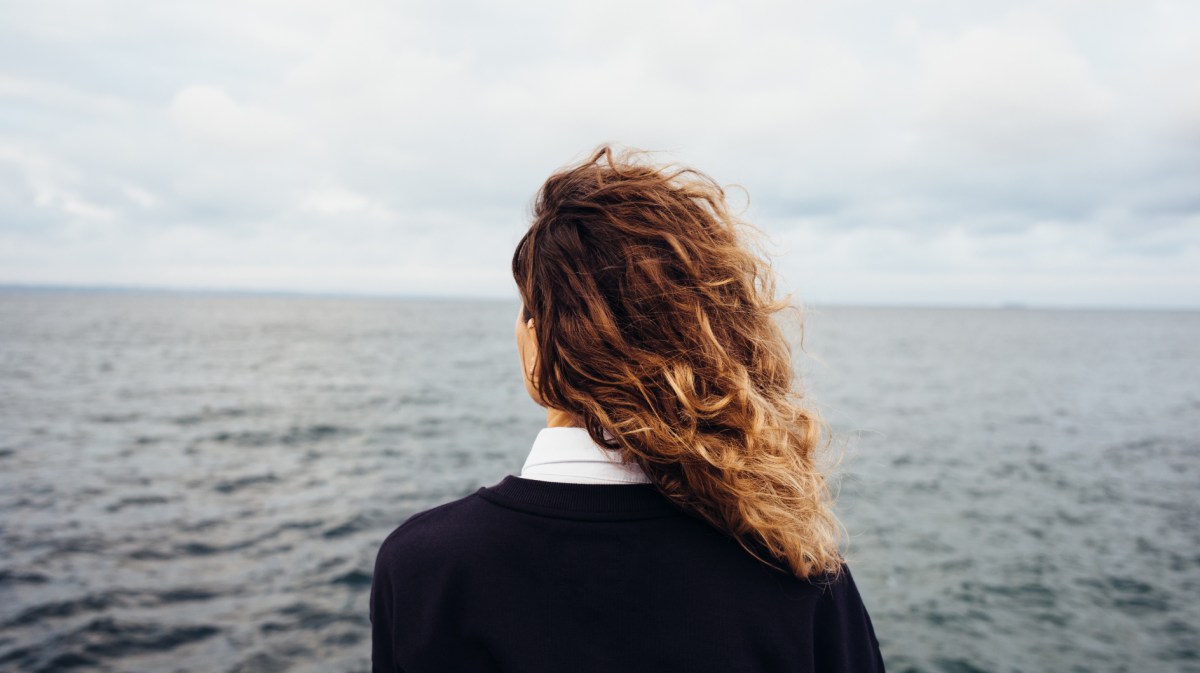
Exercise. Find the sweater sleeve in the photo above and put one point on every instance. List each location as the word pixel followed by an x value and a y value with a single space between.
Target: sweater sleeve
pixel 844 638
pixel 381 611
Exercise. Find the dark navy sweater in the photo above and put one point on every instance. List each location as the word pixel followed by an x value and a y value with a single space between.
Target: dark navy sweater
pixel 529 576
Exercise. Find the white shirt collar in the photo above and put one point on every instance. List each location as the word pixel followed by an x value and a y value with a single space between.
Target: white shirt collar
pixel 569 455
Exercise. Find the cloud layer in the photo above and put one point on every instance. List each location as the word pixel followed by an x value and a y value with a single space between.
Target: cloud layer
pixel 1038 152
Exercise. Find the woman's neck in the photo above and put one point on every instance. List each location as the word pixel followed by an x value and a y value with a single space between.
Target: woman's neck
pixel 556 418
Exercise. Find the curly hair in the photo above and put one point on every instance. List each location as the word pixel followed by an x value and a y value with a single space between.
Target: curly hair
pixel 654 326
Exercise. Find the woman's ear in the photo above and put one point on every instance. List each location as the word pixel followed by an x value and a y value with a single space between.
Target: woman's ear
pixel 529 360
pixel 533 344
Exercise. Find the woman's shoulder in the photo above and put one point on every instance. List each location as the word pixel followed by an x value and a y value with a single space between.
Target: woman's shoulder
pixel 844 633
pixel 435 532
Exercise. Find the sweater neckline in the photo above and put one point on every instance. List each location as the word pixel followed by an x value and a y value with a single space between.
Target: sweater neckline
pixel 595 502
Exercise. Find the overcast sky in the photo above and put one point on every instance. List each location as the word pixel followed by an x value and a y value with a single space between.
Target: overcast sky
pixel 1044 152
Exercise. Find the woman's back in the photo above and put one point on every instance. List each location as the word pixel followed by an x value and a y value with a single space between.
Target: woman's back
pixel 646 323
pixel 534 576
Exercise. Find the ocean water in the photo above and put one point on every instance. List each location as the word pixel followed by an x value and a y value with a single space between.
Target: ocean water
pixel 199 482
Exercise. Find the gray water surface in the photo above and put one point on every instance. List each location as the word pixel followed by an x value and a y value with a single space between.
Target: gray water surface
pixel 199 483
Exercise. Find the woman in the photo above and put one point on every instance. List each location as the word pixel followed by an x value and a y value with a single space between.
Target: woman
pixel 671 516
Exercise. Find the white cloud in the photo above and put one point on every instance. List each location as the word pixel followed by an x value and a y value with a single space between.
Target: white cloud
pixel 339 201
pixel 141 197
pixel 213 115
pixel 49 185
pixel 1017 87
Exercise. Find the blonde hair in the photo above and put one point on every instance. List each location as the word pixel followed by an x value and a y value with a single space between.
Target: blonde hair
pixel 654 324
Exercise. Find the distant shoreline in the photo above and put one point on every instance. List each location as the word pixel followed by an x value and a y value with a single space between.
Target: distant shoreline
pixel 17 288
pixel 22 288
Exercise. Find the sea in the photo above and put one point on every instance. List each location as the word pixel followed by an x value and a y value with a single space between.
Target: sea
pixel 200 481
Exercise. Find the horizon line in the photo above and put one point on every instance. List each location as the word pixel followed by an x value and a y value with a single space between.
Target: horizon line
pixel 9 287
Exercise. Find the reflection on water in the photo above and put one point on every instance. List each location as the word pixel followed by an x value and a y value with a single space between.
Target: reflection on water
pixel 189 478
